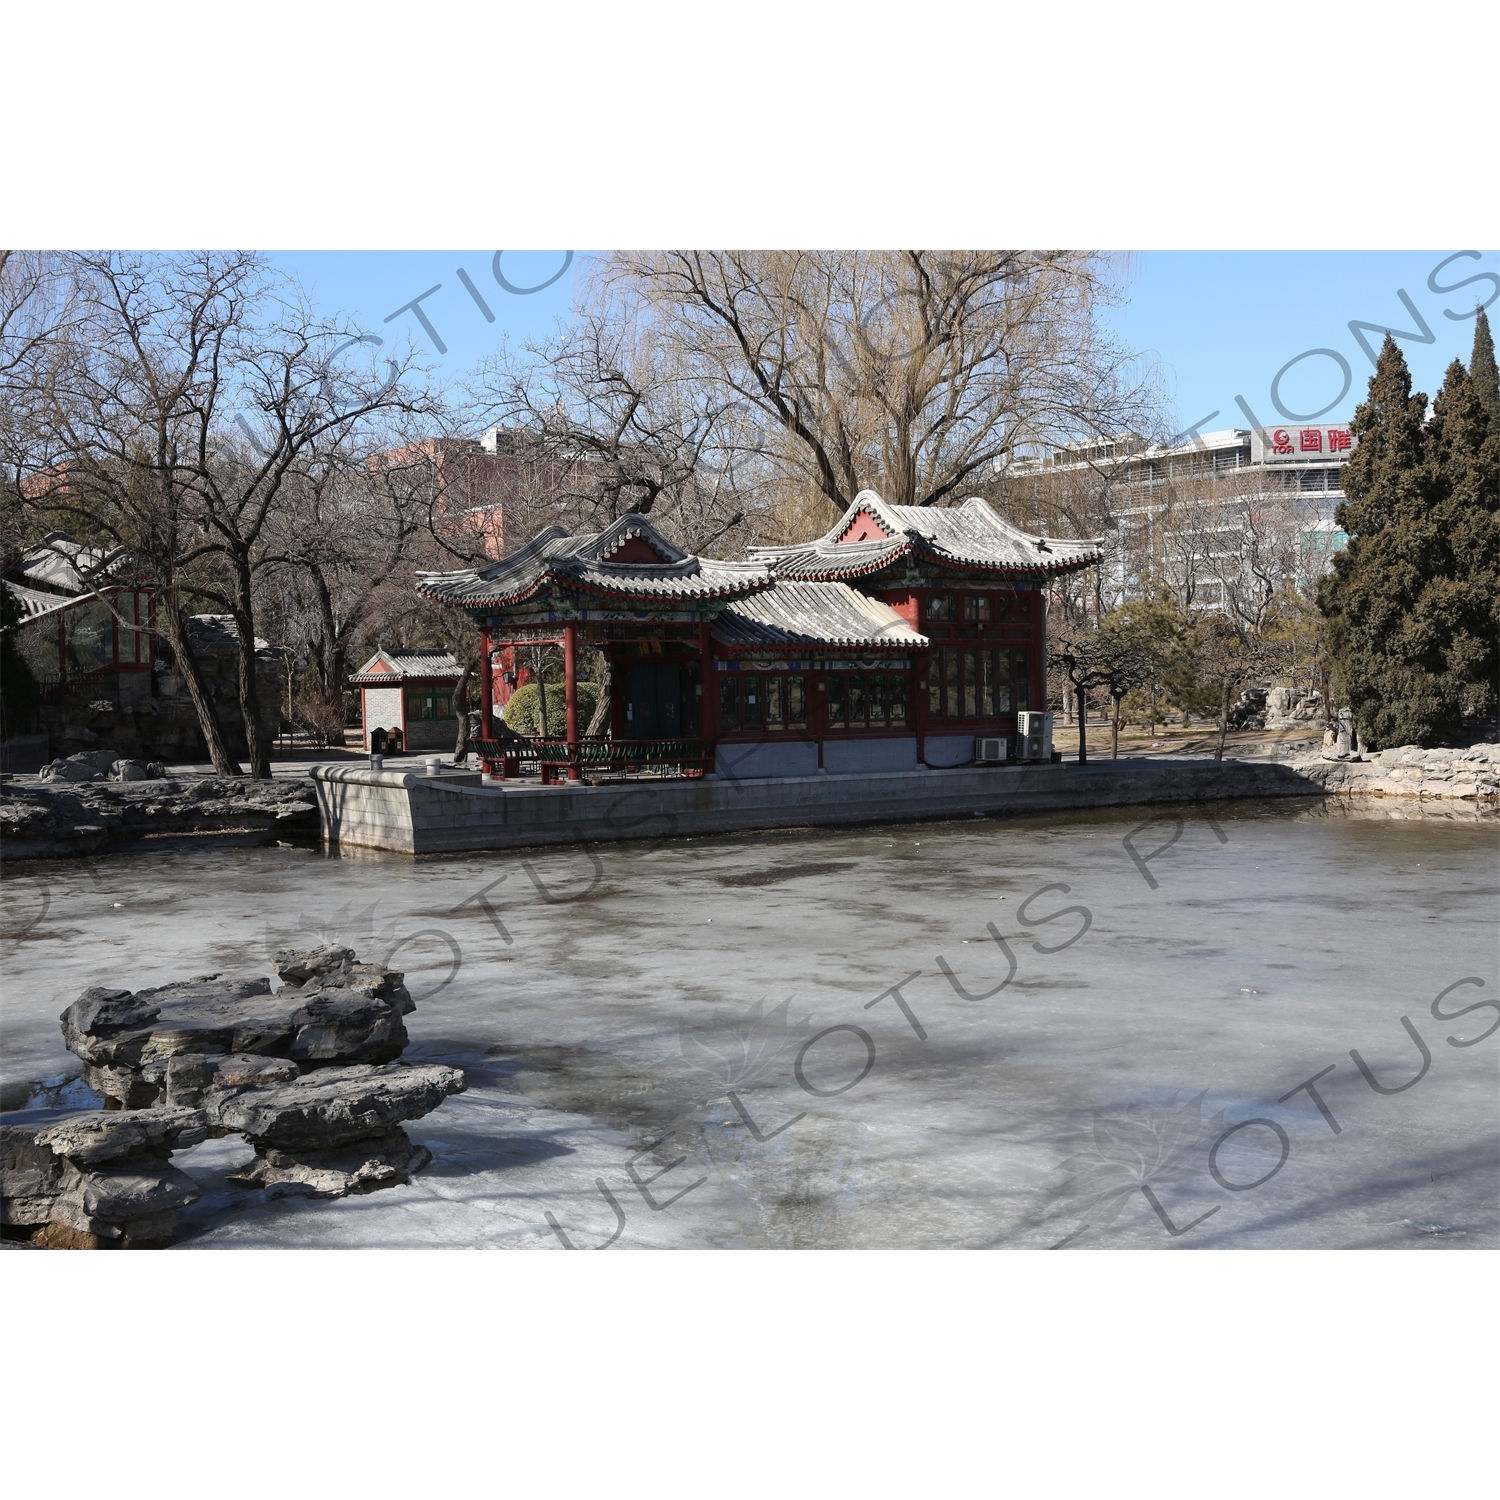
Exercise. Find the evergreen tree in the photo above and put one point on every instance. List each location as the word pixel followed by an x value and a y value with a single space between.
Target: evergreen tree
pixel 1410 602
pixel 1463 454
pixel 1482 369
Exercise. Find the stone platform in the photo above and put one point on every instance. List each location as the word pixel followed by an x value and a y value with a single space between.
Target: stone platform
pixel 408 814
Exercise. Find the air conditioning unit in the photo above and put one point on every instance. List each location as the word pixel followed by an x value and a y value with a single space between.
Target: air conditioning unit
pixel 1034 736
pixel 988 752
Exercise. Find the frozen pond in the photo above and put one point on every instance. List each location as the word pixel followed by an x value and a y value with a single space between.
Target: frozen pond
pixel 815 1039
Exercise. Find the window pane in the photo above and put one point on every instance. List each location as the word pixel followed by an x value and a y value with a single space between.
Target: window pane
pixel 89 642
pixel 971 684
pixel 935 685
pixel 39 646
pixel 752 702
pixel 875 702
pixel 1002 684
pixel 856 699
pixel 940 607
pixel 950 682
pixel 775 717
pixel 729 701
pixel 796 701
pixel 1023 682
pixel 835 700
pixel 896 682
pixel 976 606
pixel 987 684
pixel 135 647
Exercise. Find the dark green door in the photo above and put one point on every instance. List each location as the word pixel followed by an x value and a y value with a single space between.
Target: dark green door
pixel 660 702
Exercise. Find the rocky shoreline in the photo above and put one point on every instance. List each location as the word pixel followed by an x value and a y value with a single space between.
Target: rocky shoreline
pixel 1408 771
pixel 61 819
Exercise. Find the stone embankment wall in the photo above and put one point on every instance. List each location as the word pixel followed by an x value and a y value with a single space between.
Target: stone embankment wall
pixel 1410 771
pixel 419 815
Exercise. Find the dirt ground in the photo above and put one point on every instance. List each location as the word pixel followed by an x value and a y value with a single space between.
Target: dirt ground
pixel 1198 738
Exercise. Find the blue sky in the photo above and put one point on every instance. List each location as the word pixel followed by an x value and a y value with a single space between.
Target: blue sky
pixel 368 286
pixel 1221 324
pixel 1224 323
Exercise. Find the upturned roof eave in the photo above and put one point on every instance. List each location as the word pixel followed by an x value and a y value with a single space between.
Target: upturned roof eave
pixel 893 645
pixel 568 583
pixel 946 560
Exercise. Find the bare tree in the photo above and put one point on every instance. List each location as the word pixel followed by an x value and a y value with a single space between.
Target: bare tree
pixel 171 418
pixel 606 419
pixel 1226 654
pixel 914 372
pixel 360 514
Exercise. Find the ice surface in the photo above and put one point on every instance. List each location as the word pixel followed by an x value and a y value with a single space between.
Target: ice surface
pixel 656 998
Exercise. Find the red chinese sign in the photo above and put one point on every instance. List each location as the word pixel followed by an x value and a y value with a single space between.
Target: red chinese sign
pixel 1298 444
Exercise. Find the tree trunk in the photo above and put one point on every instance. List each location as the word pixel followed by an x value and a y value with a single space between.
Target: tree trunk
pixel 541 699
pixel 599 724
pixel 1114 742
pixel 461 708
pixel 1083 727
pixel 1223 719
pixel 329 654
pixel 224 763
pixel 259 752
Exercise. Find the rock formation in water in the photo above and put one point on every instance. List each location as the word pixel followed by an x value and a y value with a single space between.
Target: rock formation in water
pixel 331 1009
pixel 308 1075
pixel 90 1179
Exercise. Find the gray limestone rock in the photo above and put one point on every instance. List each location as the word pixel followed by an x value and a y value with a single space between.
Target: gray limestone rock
pixel 297 967
pixel 102 1013
pixel 87 765
pixel 376 1162
pixel 307 1075
pixel 89 1178
pixel 332 1107
pixel 188 1077
pixel 108 1134
pixel 338 1011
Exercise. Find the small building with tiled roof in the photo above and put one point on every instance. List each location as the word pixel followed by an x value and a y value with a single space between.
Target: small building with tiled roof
pixel 410 694
pixel 895 640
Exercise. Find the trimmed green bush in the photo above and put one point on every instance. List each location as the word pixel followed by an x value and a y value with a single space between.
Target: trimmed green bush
pixel 521 712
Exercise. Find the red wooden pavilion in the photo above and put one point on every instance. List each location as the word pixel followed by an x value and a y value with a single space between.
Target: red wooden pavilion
pixel 893 641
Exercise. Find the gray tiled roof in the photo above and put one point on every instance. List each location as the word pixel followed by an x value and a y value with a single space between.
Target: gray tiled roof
pixel 581 565
pixel 406 664
pixel 33 602
pixel 969 536
pixel 58 562
pixel 796 614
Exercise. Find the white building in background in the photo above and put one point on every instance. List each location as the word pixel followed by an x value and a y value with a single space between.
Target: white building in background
pixel 1149 484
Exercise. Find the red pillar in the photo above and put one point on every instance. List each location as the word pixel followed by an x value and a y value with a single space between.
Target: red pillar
pixel 1039 648
pixel 918 701
pixel 570 694
pixel 486 689
pixel 708 704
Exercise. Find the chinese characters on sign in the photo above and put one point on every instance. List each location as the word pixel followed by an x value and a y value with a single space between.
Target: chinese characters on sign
pixel 1297 444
